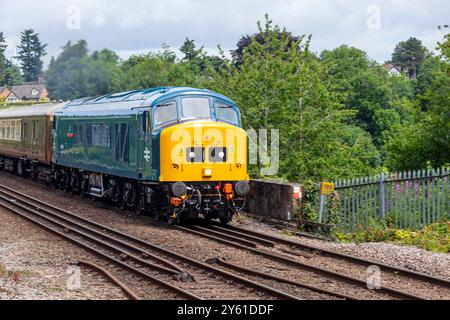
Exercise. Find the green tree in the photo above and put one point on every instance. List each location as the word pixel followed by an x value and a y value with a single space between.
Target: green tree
pixel 365 87
pixel 426 141
pixel 103 73
pixel 75 73
pixel 157 69
pixel 2 58
pixel 13 77
pixel 66 75
pixel 408 56
pixel 282 85
pixel 260 37
pixel 30 53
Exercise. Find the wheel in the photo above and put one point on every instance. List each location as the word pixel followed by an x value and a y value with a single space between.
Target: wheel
pixel 123 202
pixel 67 182
pixel 75 184
pixel 34 171
pixel 156 215
pixel 20 168
pixel 173 221
pixel 138 209
pixel 84 187
pixel 227 218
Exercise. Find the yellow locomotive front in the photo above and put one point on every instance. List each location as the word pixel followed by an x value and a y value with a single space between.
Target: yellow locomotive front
pixel 203 158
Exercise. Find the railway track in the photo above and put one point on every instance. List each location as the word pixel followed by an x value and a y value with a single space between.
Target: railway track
pixel 270 247
pixel 194 280
pixel 263 285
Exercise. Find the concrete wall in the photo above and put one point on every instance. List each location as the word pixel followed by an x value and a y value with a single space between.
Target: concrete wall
pixel 275 200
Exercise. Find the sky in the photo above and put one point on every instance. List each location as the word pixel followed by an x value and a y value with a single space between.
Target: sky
pixel 138 26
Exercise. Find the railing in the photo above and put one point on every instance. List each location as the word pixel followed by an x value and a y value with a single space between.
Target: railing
pixel 405 200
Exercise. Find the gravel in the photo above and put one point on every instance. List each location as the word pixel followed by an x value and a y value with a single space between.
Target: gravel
pixel 203 249
pixel 35 265
pixel 408 257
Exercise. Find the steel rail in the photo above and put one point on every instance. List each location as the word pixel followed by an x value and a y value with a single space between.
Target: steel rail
pixel 130 294
pixel 320 270
pixel 97 252
pixel 238 268
pixel 172 268
pixel 199 264
pixel 67 228
pixel 252 239
pixel 331 253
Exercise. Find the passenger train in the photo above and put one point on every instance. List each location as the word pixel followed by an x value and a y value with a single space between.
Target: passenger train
pixel 173 152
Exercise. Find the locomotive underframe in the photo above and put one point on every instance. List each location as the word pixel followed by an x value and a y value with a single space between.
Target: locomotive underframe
pixel 154 198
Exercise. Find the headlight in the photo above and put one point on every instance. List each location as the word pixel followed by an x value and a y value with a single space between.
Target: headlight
pixel 242 188
pixel 179 189
pixel 207 172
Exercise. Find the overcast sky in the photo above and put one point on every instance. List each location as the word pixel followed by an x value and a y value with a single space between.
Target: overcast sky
pixel 137 26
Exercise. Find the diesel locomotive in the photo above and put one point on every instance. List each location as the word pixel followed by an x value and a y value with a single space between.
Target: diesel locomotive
pixel 173 152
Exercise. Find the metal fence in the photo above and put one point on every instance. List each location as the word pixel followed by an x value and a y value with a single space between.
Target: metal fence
pixel 406 200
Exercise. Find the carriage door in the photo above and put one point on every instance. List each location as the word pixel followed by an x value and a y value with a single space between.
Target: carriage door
pixel 35 139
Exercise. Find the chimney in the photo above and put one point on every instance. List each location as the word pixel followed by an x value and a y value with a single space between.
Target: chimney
pixel 41 79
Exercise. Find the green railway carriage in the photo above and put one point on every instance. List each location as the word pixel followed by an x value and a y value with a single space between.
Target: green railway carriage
pixel 26 138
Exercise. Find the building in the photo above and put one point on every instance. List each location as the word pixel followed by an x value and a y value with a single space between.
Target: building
pixel 392 70
pixel 32 92
pixel 4 92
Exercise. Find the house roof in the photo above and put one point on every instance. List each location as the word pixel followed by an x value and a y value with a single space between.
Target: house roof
pixel 390 67
pixel 26 91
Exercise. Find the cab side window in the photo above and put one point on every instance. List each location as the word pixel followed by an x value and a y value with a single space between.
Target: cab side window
pixel 165 112
pixel 226 113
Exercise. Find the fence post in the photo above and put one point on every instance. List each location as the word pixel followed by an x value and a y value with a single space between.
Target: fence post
pixel 381 194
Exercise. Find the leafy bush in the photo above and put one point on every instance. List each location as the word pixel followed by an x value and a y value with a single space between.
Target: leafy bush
pixel 435 237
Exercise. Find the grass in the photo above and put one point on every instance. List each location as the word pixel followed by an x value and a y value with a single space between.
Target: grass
pixel 3 271
pixel 435 237
pixel 16 276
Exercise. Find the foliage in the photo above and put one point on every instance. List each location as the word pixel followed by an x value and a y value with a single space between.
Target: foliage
pixel 2 58
pixel 426 140
pixel 369 90
pixel 340 114
pixel 13 77
pixel 435 237
pixel 281 85
pixel 408 56
pixel 76 73
pixel 30 53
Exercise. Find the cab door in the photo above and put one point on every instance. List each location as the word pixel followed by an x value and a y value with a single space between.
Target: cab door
pixel 144 156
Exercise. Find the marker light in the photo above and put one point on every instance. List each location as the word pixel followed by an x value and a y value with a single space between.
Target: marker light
pixel 207 172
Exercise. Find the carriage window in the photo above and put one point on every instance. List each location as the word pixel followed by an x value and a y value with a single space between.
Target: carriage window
pixel 11 129
pixel 101 136
pixel 226 113
pixel 24 130
pixel 35 132
pixel 122 144
pixel 166 112
pixel 196 108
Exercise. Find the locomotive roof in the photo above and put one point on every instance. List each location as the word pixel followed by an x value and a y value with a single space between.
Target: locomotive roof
pixel 129 102
pixel 46 109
